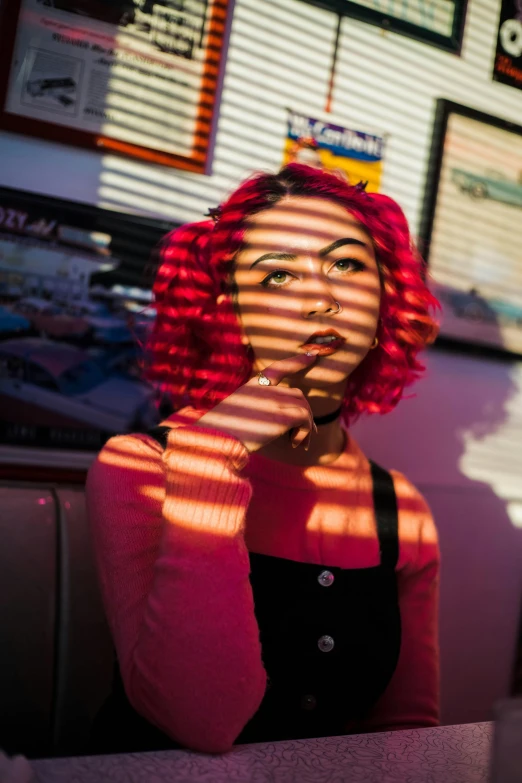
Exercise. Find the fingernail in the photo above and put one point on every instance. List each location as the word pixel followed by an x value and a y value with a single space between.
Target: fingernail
pixel 313 352
pixel 294 445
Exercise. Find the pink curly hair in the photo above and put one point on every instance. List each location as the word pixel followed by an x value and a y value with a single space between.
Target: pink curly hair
pixel 195 353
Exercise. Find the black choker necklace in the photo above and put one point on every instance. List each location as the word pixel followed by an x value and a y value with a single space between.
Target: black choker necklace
pixel 328 418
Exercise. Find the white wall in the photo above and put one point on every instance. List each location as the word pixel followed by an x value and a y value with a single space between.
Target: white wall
pixel 459 439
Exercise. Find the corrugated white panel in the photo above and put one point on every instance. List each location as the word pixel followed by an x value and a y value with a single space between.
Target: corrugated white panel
pixel 390 83
pixel 279 55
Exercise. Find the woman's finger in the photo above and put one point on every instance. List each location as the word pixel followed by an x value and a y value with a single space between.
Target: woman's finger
pixel 282 368
pixel 303 431
pixel 298 394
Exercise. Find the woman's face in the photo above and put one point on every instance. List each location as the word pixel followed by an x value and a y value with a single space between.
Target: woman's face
pixel 301 258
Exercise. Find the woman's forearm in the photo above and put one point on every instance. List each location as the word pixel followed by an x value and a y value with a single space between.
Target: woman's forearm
pixel 183 620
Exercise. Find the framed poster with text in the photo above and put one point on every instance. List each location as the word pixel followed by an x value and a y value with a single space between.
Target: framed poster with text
pixel 436 22
pixel 472 227
pixel 133 77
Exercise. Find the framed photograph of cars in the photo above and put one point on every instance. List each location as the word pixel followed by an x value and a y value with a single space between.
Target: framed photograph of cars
pixel 472 227
pixel 439 23
pixel 133 77
pixel 75 309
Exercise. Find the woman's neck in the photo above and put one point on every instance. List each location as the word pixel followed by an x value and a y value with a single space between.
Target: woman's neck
pixel 325 445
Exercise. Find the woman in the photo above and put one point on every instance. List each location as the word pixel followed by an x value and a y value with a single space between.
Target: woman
pixel 262 579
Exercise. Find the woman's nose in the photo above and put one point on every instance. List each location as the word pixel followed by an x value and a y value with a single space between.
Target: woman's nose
pixel 321 303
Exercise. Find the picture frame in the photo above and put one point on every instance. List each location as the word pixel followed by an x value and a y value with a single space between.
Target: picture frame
pixel 75 311
pixel 507 65
pixel 439 23
pixel 471 229
pixel 129 77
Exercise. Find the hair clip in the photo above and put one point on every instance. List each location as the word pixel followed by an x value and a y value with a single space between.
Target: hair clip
pixel 214 213
pixel 361 186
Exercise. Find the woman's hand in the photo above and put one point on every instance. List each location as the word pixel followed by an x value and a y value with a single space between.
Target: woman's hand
pixel 257 415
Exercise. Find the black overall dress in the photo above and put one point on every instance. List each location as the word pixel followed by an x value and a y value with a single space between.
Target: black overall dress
pixel 330 641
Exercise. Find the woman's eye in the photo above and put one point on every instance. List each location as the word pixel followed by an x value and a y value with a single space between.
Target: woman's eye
pixel 276 279
pixel 279 277
pixel 349 265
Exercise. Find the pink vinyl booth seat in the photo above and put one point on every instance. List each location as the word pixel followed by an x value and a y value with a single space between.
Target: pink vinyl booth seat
pixel 55 651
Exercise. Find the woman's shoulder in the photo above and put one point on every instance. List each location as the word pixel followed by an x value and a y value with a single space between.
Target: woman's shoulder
pixel 409 497
pixel 145 451
pixel 134 451
pixel 147 442
pixel 417 529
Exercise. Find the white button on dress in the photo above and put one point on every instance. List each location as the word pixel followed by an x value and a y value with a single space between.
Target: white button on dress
pixel 325 643
pixel 326 578
pixel 309 702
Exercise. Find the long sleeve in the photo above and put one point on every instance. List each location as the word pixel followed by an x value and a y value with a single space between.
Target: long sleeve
pixel 412 697
pixel 173 566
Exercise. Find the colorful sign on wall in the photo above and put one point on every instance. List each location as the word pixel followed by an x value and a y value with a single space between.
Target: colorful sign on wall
pixel 358 156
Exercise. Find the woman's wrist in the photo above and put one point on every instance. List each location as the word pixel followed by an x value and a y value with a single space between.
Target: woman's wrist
pixel 207 439
pixel 216 422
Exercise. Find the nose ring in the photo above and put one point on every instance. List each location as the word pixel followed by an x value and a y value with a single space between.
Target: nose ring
pixel 339 308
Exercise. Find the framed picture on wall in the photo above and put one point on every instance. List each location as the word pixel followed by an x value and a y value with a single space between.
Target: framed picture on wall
pixel 133 77
pixel 472 227
pixel 354 154
pixel 436 22
pixel 507 67
pixel 75 309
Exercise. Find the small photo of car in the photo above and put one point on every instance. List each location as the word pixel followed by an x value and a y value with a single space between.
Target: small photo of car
pixel 469 305
pixel 492 184
pixel 48 319
pixel 120 361
pixel 55 87
pixel 12 324
pixel 45 383
pixel 102 326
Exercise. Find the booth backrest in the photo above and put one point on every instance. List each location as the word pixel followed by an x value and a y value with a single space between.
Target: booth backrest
pixel 56 654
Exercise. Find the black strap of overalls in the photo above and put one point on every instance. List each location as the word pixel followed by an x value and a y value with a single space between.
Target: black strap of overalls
pixel 384 501
pixel 385 505
pixel 160 434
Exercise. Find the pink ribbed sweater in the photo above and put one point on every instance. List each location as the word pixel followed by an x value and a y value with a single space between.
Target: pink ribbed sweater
pixel 172 531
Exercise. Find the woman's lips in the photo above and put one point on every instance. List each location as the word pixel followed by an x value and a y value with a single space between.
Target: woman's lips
pixel 324 349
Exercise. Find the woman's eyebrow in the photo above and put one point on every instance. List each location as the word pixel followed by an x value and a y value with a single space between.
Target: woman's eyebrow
pixel 339 243
pixel 274 256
